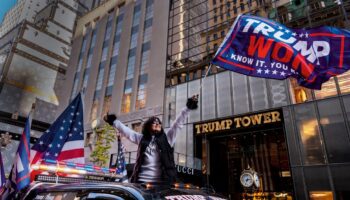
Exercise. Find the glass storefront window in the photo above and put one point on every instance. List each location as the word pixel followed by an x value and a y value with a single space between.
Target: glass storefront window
pixel 308 128
pixel 346 100
pixel 341 177
pixel 264 151
pixel 334 131
pixel 328 89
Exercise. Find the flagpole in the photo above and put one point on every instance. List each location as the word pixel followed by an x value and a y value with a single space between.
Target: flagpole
pixel 206 74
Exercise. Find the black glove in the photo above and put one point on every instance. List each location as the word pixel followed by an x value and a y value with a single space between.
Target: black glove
pixel 192 103
pixel 110 118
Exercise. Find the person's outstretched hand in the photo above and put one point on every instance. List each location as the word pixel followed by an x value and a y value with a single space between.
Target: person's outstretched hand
pixel 110 118
pixel 192 103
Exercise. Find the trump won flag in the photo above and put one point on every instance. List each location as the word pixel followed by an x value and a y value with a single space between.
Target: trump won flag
pixel 260 47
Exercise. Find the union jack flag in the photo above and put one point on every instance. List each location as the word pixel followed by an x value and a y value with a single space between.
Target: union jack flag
pixel 121 166
pixel 64 140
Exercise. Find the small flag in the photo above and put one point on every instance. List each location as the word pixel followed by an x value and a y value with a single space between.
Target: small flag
pixel 121 165
pixel 259 47
pixel 2 175
pixel 64 140
pixel 19 177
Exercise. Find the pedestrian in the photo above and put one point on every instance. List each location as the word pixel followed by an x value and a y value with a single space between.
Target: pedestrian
pixel 155 156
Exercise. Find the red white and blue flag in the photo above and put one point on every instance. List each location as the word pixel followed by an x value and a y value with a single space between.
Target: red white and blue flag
pixel 19 177
pixel 121 165
pixel 2 175
pixel 64 140
pixel 260 47
pixel 20 174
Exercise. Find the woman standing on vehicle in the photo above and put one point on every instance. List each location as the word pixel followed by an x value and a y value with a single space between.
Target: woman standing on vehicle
pixel 155 156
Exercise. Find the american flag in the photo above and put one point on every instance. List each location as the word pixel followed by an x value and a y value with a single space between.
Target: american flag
pixel 121 166
pixel 64 140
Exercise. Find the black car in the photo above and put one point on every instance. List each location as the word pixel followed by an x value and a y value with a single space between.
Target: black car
pixel 118 191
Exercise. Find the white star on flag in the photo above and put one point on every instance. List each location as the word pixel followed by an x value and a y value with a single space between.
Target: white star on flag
pixel 274 72
pixel 66 146
pixel 267 71
pixel 259 71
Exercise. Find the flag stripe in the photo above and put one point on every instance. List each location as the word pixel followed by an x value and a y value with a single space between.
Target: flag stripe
pixel 26 147
pixel 71 154
pixel 22 178
pixel 72 145
pixel 76 160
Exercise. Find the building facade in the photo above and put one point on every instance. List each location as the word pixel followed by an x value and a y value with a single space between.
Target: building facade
pixel 118 61
pixel 35 45
pixel 296 139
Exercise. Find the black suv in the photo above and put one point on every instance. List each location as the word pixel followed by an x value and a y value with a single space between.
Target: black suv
pixel 109 191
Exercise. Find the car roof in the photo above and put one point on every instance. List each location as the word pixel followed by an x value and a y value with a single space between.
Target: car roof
pixel 138 190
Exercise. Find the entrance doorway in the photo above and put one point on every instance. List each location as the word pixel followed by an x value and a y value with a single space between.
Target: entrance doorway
pixel 264 151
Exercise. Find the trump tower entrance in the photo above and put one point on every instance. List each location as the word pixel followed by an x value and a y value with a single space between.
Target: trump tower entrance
pixel 246 156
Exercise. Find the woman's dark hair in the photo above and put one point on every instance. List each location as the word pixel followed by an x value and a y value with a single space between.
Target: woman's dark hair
pixel 146 128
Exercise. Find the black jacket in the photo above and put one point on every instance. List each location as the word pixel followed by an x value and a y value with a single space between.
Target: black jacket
pixel 166 153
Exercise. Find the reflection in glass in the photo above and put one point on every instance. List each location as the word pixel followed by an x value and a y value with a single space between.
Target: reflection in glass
pixel 264 151
pixel 299 94
pixel 334 131
pixel 321 195
pixel 309 133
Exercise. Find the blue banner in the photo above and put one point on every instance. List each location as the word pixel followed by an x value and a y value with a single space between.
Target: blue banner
pixel 259 47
